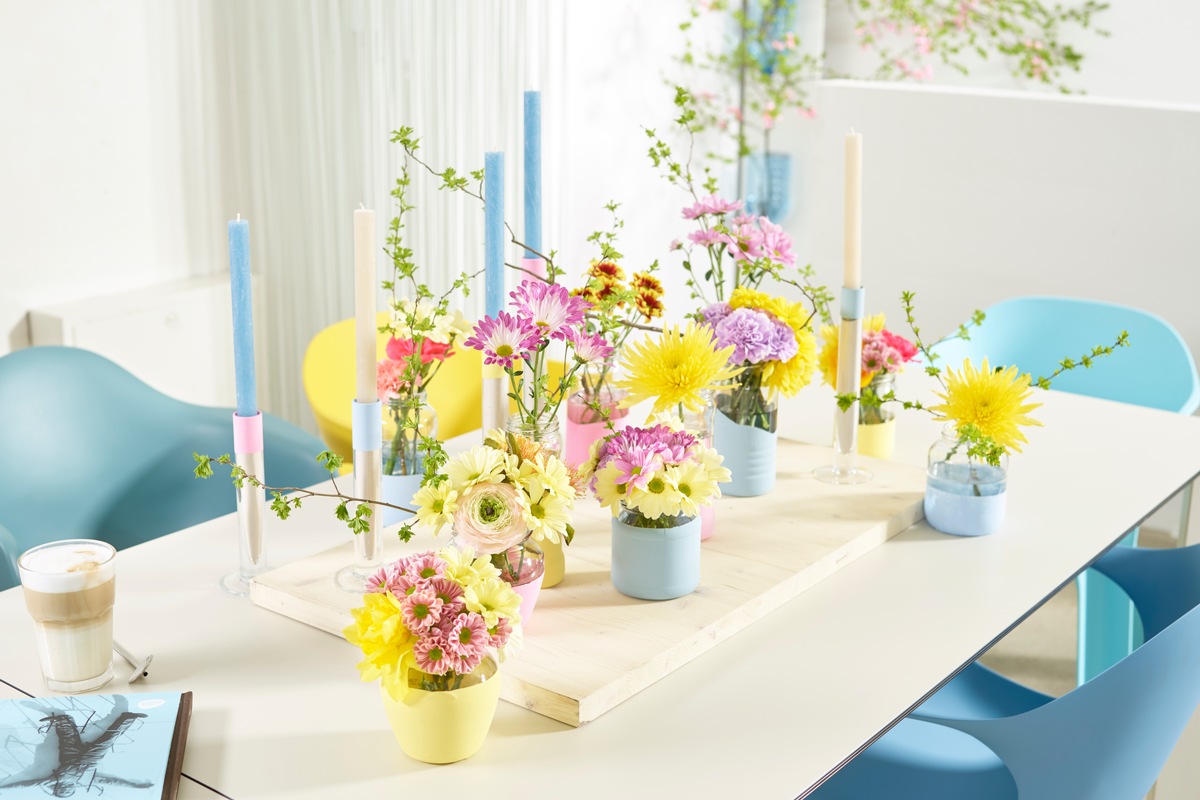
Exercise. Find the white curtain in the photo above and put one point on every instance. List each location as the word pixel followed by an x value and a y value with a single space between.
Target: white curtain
pixel 287 107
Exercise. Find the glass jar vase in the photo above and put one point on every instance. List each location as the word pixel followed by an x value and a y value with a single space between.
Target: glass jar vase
pixel 745 432
pixel 590 409
pixel 406 418
pixel 964 495
pixel 877 424
pixel 545 432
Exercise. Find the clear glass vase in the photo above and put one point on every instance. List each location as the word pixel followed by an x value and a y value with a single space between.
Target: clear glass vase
pixel 545 432
pixel 964 496
pixel 406 418
pixel 882 384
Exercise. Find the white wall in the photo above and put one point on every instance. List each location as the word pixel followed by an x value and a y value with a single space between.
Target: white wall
pixel 91 197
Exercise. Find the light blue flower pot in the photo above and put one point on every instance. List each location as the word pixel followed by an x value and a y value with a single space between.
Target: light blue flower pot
pixel 656 563
pixel 965 500
pixel 398 489
pixel 749 454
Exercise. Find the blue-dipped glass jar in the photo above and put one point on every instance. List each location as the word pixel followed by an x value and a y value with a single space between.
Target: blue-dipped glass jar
pixel 964 496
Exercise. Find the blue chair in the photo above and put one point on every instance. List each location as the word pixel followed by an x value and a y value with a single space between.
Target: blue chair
pixel 91 451
pixel 1106 740
pixel 1157 371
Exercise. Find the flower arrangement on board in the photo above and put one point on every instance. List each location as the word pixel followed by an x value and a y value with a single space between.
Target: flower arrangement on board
pixel 429 619
pixel 986 406
pixel 675 369
pixel 658 473
pixel 499 495
pixel 619 305
pixel 884 353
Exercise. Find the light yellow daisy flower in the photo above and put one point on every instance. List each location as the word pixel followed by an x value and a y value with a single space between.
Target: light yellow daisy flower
pixel 660 498
pixel 436 506
pixel 548 515
pixel 480 464
pixel 492 598
pixel 609 492
pixel 465 567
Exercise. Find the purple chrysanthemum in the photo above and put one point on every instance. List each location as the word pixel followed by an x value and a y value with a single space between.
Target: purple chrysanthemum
pixel 504 339
pixel 549 307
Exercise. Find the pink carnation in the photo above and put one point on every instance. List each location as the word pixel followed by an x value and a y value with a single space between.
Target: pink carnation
pixel 904 347
pixel 389 379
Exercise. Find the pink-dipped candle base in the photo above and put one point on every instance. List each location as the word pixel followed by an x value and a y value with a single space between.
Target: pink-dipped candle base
pixel 708 522
pixel 248 433
pixel 535 265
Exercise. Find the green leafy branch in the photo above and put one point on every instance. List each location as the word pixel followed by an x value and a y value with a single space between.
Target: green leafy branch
pixel 1086 360
pixel 358 520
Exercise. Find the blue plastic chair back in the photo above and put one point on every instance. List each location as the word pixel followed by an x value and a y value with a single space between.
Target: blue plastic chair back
pixel 91 451
pixel 1035 333
pixel 1109 738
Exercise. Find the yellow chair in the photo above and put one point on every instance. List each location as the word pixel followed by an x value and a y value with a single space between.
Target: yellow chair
pixel 328 373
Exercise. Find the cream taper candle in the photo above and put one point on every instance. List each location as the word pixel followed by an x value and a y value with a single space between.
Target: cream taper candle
pixel 852 250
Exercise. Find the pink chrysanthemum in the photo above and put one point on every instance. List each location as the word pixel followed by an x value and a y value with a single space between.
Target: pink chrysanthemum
pixel 463 664
pixel 381 580
pixel 776 244
pixel 389 379
pixel 745 242
pixel 551 308
pixel 447 591
pixel 504 339
pixel 638 464
pixel 711 205
pixel 402 584
pixel 427 565
pixel 469 636
pixel 589 348
pixel 430 653
pixel 421 610
pixel 500 632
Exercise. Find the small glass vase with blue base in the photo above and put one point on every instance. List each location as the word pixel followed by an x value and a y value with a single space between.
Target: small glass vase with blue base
pixel 748 441
pixel 964 496
pixel 655 559
pixel 405 421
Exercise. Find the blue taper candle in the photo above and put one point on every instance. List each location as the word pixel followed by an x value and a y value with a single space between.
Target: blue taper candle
pixel 533 173
pixel 493 233
pixel 243 316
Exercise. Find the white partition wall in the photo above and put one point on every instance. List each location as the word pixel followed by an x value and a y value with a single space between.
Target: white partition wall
pixel 971 197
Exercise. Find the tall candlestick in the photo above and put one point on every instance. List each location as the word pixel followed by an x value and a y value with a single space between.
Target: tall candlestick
pixel 852 252
pixel 493 233
pixel 243 316
pixel 533 173
pixel 364 306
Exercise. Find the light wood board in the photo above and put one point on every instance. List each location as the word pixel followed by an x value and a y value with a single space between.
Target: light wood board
pixel 588 647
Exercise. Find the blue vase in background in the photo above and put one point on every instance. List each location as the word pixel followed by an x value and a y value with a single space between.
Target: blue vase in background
pixel 767 182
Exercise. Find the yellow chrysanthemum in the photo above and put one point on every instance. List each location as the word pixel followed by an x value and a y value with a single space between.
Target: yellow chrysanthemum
pixel 827 361
pixel 436 506
pixel 992 400
pixel 660 498
pixel 493 598
pixel 548 515
pixel 609 491
pixel 480 464
pixel 464 567
pixel 675 367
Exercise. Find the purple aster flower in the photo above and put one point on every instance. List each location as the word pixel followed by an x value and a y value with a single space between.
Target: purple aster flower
pixel 549 306
pixel 589 348
pixel 715 313
pixel 749 332
pixel 504 339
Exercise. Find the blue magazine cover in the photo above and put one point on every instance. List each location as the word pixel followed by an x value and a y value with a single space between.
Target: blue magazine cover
pixel 118 746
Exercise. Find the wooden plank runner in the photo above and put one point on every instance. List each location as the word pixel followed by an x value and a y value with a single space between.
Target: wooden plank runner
pixel 588 647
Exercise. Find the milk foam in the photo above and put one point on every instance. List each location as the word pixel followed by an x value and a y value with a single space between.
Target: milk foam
pixel 69 567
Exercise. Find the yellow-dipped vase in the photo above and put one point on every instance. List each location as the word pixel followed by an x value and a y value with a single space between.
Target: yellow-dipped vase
pixel 441 727
pixel 877 440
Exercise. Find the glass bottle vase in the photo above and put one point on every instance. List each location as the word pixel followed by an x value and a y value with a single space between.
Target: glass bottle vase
pixel 545 432
pixel 877 424
pixel 406 418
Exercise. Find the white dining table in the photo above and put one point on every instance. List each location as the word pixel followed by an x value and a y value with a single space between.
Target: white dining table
pixel 279 711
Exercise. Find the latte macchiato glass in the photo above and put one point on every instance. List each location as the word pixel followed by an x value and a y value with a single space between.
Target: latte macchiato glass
pixel 70 588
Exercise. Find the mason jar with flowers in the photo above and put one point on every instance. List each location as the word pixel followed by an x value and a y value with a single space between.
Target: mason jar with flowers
pixel 776 350
pixel 884 354
pixel 505 499
pixel 542 313
pixel 432 629
pixel 655 480
pixel 423 335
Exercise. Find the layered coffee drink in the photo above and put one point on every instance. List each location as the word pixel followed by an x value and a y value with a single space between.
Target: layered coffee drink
pixel 70 588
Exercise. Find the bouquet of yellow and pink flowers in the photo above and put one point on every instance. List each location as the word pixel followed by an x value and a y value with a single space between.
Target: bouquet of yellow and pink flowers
pixel 649 477
pixel 499 496
pixel 428 620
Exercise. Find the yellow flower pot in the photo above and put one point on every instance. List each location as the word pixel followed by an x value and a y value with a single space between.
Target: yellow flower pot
pixel 441 727
pixel 877 440
pixel 556 563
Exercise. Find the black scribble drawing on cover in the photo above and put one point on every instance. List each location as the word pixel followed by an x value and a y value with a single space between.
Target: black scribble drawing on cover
pixel 68 757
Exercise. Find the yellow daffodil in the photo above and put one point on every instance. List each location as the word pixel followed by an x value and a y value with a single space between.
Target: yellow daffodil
pixel 993 400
